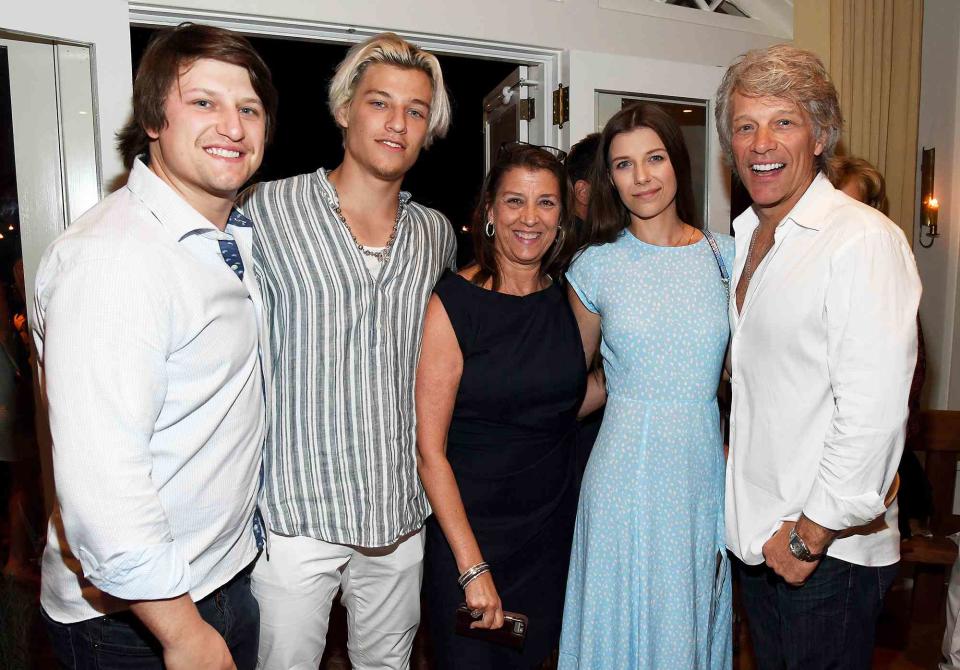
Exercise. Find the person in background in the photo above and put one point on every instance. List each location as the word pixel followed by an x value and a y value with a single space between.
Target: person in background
pixel 18 449
pixel 15 484
pixel 500 380
pixel 819 399
pixel 578 163
pixel 648 585
pixel 149 339
pixel 860 180
pixel 347 262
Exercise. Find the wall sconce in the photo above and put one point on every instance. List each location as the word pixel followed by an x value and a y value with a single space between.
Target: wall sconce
pixel 929 206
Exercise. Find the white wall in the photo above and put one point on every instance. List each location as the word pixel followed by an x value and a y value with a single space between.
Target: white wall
pixel 103 24
pixel 635 46
pixel 560 24
pixel 939 128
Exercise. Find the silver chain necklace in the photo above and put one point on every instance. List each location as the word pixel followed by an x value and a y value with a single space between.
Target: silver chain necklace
pixel 383 255
pixel 748 268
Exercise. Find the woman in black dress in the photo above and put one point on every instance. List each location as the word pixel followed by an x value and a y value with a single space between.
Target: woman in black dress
pixel 499 385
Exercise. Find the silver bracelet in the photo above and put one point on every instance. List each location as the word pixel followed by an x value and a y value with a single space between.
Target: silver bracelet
pixel 472 573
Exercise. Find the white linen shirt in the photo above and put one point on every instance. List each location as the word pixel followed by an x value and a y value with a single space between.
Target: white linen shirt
pixel 149 347
pixel 822 358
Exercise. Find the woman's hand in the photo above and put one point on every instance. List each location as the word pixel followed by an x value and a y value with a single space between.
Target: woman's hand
pixel 482 596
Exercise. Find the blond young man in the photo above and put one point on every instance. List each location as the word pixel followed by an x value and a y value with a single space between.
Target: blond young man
pixel 348 261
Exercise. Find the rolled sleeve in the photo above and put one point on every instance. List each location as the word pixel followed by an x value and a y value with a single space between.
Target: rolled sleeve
pixel 870 311
pixel 147 573
pixel 103 345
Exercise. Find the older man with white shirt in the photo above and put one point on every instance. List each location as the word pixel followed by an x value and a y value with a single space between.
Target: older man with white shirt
pixel 823 350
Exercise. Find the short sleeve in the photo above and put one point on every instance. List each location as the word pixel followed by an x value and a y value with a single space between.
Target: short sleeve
pixel 452 291
pixel 582 278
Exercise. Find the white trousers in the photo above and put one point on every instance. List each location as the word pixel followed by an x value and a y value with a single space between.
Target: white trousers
pixel 296 587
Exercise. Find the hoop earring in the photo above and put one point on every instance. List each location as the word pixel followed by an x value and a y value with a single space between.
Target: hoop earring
pixel 489 230
pixel 558 240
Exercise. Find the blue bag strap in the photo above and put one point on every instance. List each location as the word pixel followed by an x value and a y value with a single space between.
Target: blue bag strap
pixel 724 277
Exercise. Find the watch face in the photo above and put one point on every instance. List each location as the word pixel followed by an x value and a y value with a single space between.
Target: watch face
pixel 799 549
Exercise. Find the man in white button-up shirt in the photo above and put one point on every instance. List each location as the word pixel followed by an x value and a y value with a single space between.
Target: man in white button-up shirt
pixel 824 344
pixel 149 331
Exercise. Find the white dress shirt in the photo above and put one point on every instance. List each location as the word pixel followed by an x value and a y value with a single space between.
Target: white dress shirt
pixel 149 347
pixel 822 358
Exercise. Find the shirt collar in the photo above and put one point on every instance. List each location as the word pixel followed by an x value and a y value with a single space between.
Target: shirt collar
pixel 809 212
pixel 174 214
pixel 331 192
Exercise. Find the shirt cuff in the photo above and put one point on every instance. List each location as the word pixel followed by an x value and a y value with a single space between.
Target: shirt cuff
pixel 148 573
pixel 837 512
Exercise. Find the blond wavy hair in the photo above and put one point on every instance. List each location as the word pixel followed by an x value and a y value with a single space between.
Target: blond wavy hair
pixel 782 71
pixel 391 49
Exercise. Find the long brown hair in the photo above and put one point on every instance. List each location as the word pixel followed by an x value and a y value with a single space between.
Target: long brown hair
pixel 531 158
pixel 169 52
pixel 606 214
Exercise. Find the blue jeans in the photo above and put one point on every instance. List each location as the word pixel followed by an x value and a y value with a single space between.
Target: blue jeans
pixel 828 622
pixel 120 641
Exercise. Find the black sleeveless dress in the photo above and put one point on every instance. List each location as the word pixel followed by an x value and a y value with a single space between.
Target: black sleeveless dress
pixel 511 447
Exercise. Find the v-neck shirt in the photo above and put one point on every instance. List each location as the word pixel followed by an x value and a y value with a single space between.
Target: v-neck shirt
pixel 340 457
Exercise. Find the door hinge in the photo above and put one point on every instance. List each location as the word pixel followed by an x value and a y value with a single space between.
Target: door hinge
pixel 528 109
pixel 561 106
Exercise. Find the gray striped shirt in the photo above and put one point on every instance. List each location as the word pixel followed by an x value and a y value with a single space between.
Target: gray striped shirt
pixel 340 459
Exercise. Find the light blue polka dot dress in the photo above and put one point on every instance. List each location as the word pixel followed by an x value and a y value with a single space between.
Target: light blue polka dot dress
pixel 649 582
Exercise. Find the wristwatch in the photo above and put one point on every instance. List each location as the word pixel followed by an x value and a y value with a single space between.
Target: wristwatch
pixel 800 550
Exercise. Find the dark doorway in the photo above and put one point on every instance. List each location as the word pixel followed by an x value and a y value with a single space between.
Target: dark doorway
pixel 447 176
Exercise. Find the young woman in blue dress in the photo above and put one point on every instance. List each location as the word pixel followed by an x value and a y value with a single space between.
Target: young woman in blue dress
pixel 648 584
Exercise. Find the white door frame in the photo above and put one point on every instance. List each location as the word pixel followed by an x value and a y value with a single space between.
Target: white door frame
pixel 55 139
pixel 57 162
pixel 549 60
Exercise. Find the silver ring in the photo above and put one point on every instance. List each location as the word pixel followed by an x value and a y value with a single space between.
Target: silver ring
pixel 476 614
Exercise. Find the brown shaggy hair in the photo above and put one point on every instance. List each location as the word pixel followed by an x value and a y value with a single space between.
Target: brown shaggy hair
pixel 169 53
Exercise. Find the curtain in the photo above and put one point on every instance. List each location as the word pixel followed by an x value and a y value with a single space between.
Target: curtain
pixel 872 50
